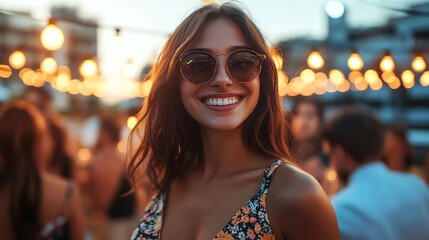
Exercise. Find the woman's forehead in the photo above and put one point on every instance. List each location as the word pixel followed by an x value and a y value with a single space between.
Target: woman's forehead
pixel 220 35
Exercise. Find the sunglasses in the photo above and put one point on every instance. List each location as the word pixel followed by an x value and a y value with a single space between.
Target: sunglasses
pixel 199 66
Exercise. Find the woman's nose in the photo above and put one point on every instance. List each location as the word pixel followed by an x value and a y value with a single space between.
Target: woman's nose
pixel 221 77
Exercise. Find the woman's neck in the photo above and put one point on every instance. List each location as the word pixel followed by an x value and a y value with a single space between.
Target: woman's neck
pixel 225 153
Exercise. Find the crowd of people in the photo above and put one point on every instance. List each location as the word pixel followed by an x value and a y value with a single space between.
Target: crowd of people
pixel 212 137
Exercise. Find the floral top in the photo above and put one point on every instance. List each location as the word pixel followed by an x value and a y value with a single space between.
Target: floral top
pixel 250 222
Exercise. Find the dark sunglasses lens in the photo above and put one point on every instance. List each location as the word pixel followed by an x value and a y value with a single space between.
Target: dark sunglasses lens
pixel 244 66
pixel 198 67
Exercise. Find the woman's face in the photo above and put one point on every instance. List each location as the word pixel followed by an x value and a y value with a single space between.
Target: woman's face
pixel 237 99
pixel 306 123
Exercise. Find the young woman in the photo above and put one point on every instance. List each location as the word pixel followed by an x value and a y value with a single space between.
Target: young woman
pixel 33 203
pixel 214 145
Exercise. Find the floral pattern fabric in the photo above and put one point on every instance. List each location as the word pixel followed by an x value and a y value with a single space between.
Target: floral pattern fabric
pixel 250 222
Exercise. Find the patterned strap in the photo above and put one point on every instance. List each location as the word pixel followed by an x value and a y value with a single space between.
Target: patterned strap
pixel 268 175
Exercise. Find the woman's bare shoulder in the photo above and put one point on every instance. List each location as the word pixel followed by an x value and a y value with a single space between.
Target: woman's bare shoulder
pixel 295 201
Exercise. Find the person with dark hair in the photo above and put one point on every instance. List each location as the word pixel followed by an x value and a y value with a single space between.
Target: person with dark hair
pixel 307 117
pixel 33 203
pixel 213 140
pixel 377 203
pixel 113 211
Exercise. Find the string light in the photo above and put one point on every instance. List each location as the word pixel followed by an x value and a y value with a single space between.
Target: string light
pixel 17 59
pixel 5 71
pixel 52 37
pixel 48 65
pixel 387 64
pixel 418 64
pixel 315 60
pixel 132 122
pixel 407 77
pixel 424 79
pixel 88 68
pixel 355 62
pixel 308 76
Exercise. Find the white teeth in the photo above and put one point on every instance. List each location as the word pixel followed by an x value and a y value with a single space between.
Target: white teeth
pixel 222 101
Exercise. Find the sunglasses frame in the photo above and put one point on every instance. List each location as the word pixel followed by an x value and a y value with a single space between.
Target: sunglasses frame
pixel 261 57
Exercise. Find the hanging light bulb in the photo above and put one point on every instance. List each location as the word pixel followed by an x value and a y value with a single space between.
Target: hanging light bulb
pixel 52 37
pixel 315 60
pixel 418 64
pixel 424 79
pixel 17 59
pixel 387 64
pixel 88 68
pixel 355 62
pixel 48 65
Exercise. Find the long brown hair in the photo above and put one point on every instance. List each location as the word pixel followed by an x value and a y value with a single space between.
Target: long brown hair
pixel 171 139
pixel 19 133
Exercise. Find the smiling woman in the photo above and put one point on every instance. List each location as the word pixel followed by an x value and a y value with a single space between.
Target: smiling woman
pixel 213 137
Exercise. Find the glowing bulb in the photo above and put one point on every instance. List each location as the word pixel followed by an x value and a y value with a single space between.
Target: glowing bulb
pixel 387 64
pixel 131 122
pixel 88 68
pixel 315 60
pixel 48 65
pixel 129 70
pixel 52 37
pixel 5 71
pixel 334 8
pixel 371 76
pixel 308 76
pixel 407 78
pixel 355 62
pixel 424 79
pixel 282 85
pixel 336 76
pixel 418 64
pixel 17 59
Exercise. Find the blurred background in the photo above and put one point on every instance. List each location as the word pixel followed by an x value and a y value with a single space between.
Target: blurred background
pixel 82 61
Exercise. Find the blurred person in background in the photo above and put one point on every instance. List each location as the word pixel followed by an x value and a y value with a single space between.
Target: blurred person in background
pixel 377 203
pixel 34 204
pixel 307 117
pixel 397 152
pixel 113 209
pixel 61 162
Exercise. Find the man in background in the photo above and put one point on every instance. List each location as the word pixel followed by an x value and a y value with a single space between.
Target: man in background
pixel 377 203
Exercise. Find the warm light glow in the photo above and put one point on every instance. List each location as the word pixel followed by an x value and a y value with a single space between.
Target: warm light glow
pixel 336 76
pixel 63 81
pixel 129 70
pixel 407 78
pixel 320 81
pixel 377 85
pixel 319 90
pixel 307 76
pixel 353 75
pixel 5 71
pixel 48 65
pixel 278 59
pixel 131 122
pixel 395 84
pixel 307 90
pixel 207 2
pixel 371 76
pixel 38 79
pixel 388 77
pixel 84 155
pixel 17 59
pixel 122 146
pixel 52 37
pixel 145 88
pixel 334 8
pixel 296 85
pixel 88 68
pixel 424 79
pixel 23 71
pixel 355 62
pixel 27 77
pixel 360 84
pixel 387 64
pixel 332 175
pixel 282 84
pixel 343 87
pixel 315 60
pixel 74 86
pixel 418 64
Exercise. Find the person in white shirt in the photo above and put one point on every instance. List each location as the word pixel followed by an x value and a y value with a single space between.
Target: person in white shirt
pixel 377 203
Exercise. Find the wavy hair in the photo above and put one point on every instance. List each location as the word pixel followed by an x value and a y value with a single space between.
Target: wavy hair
pixel 170 137
pixel 19 174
